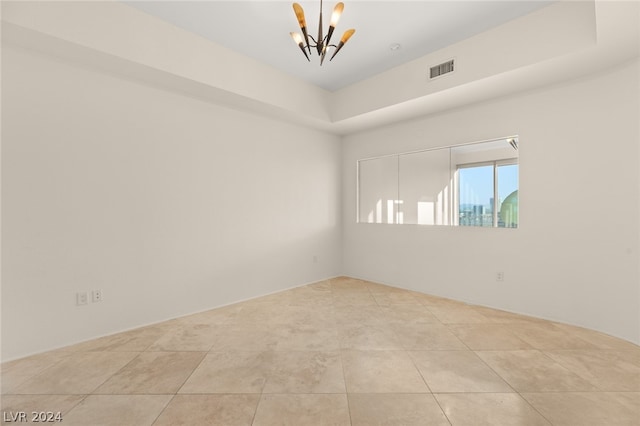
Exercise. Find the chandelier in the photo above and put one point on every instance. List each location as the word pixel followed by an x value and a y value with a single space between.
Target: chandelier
pixel 321 43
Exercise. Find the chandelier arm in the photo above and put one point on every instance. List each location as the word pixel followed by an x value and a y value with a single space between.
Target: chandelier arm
pixel 315 43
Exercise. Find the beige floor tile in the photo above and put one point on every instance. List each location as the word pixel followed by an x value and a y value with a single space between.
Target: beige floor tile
pixel 136 340
pixel 607 369
pixel 320 287
pixel 600 340
pixel 585 408
pixel 187 337
pixel 34 364
pixel 354 298
pixel 276 337
pixel 347 283
pixel 395 298
pixel 464 314
pixel 269 372
pixel 489 409
pixel 403 314
pixel 323 285
pixel 533 371
pixel 352 286
pixel 153 373
pixel 117 410
pixel 207 410
pixel 230 372
pixel 544 335
pixel 457 371
pixel 324 301
pixel 312 301
pixel 376 288
pixel 497 316
pixel 430 300
pixel 256 311
pixel 301 409
pixel 275 299
pixel 395 409
pixel 79 373
pixel 38 403
pixel 246 337
pixel 264 313
pixel 630 400
pixel 10 381
pixel 15 373
pixel 305 338
pixel 421 336
pixel 223 315
pixel 381 372
pixel 305 372
pixel 488 337
pixel 310 295
pixel 368 337
pixel 358 315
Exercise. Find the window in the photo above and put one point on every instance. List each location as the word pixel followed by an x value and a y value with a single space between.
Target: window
pixel 464 185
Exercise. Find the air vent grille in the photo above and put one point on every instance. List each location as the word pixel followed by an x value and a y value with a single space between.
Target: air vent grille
pixel 441 69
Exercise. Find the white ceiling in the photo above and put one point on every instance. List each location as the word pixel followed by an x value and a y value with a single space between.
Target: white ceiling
pixel 260 29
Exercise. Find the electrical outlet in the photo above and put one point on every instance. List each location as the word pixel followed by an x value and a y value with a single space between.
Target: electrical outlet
pixel 500 276
pixel 82 298
pixel 97 296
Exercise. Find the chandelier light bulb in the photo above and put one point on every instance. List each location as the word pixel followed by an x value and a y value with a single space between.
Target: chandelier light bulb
pixel 298 39
pixel 299 11
pixel 303 24
pixel 345 37
pixel 337 12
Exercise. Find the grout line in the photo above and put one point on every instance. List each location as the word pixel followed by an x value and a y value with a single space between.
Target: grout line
pixel 346 392
pixel 163 409
pixel 433 395
pixel 534 408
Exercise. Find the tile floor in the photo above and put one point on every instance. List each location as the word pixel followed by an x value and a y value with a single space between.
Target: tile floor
pixel 338 352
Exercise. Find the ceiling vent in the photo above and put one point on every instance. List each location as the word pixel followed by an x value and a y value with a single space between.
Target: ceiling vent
pixel 442 69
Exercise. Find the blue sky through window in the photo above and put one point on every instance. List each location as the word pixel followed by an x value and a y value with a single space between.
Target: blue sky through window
pixel 476 184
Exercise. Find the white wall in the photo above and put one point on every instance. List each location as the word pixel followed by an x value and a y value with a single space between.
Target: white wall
pixel 575 256
pixel 168 204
